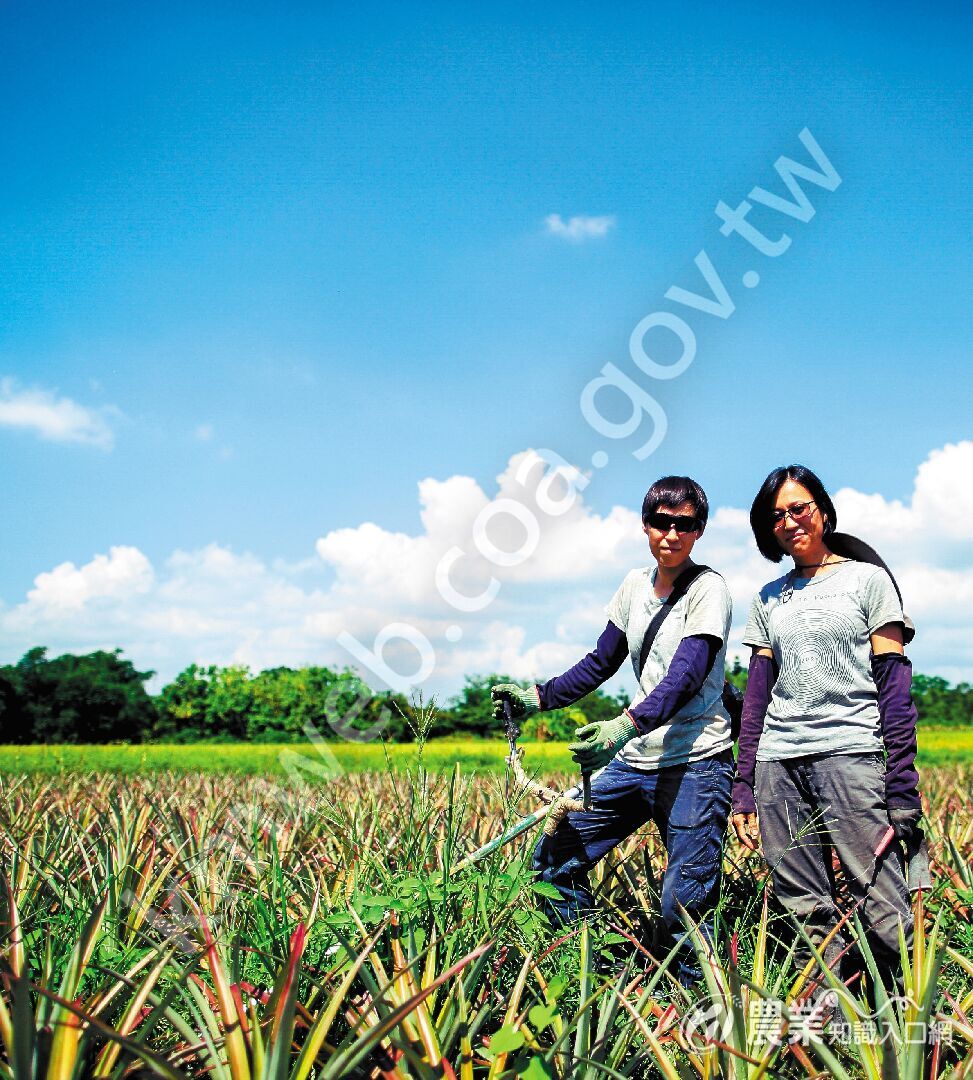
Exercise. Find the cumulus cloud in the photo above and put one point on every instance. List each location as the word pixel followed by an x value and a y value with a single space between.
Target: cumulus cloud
pixel 211 605
pixel 579 227
pixel 57 419
pixel 214 605
pixel 570 543
pixel 124 572
pixel 939 514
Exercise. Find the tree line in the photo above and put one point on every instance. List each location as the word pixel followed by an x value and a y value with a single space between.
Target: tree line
pixel 101 697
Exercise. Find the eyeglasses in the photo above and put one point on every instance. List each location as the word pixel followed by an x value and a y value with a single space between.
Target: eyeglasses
pixel 796 511
pixel 682 523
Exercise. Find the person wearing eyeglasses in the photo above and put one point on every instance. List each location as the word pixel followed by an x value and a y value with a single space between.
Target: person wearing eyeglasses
pixel 668 757
pixel 828 699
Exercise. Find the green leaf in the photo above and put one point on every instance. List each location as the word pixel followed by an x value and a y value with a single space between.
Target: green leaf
pixel 506 1039
pixel 542 1015
pixel 545 888
pixel 537 1069
pixel 377 900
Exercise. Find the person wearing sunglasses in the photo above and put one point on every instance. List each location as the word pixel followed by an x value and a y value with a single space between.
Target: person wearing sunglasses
pixel 828 699
pixel 668 757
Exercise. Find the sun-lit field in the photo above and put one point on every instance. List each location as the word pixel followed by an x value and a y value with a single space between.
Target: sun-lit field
pixel 240 927
pixel 937 746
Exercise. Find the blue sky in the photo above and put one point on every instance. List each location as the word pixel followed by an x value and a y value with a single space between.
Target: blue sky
pixel 290 260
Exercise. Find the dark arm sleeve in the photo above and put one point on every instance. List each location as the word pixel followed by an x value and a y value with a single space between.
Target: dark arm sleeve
pixel 587 674
pixel 691 663
pixel 892 673
pixel 761 677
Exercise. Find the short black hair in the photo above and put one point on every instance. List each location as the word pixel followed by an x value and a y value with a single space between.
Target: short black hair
pixel 673 491
pixel 761 512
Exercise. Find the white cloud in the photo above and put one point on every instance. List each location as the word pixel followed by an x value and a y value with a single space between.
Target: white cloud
pixel 369 559
pixel 210 606
pixel 213 605
pixel 123 572
pixel 579 227
pixel 57 419
pixel 204 432
pixel 939 513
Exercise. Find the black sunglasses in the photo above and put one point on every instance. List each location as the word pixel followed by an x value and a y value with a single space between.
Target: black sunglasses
pixel 682 523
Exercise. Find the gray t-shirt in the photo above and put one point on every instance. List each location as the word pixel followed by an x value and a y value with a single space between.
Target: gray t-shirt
pixel 701 728
pixel 819 630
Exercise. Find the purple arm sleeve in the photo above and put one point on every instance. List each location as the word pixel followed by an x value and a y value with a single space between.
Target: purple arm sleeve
pixel 761 677
pixel 587 674
pixel 691 663
pixel 892 673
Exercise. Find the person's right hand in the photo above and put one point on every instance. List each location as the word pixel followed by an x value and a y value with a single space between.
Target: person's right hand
pixel 747 830
pixel 521 701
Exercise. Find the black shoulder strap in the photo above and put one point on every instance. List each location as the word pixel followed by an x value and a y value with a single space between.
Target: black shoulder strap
pixel 851 547
pixel 679 589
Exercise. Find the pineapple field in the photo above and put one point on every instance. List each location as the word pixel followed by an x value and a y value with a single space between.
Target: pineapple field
pixel 189 924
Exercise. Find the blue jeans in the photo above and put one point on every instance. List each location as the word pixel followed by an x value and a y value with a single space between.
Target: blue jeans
pixel 689 803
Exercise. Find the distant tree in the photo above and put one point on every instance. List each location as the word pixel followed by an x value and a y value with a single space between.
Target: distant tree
pixel 276 705
pixel 182 706
pixel 336 705
pixel 561 724
pixel 12 721
pixel 230 702
pixel 101 697
pixel 599 705
pixel 939 703
pixel 94 698
pixel 470 712
pixel 286 701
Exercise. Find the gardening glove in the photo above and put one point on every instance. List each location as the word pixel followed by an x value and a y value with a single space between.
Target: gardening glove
pixel 601 742
pixel 521 701
pixel 907 822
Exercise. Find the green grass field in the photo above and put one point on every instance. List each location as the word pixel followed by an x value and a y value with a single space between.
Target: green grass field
pixel 937 746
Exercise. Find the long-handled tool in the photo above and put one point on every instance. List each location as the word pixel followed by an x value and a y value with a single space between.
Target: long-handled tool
pixel 558 803
pixel 512 833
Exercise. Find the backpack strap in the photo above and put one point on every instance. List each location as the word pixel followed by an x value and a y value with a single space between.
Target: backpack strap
pixel 679 589
pixel 851 547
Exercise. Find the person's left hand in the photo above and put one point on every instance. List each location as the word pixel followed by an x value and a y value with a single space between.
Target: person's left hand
pixel 907 822
pixel 601 742
pixel 904 820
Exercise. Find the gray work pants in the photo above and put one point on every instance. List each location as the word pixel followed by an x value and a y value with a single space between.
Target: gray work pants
pixel 807 805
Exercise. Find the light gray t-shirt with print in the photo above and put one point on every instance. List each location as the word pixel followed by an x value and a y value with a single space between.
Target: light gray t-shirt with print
pixel 819 630
pixel 701 728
